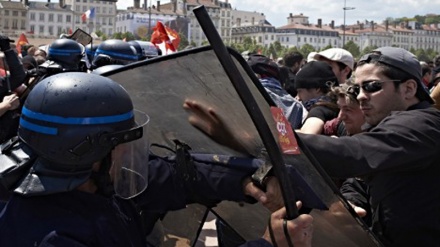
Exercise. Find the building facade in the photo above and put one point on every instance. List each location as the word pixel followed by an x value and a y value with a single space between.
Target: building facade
pixel 49 20
pixel 13 18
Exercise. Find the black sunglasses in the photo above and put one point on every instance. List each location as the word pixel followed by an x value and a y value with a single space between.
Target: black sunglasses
pixel 368 86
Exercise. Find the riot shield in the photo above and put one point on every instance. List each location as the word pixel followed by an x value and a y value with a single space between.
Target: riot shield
pixel 159 87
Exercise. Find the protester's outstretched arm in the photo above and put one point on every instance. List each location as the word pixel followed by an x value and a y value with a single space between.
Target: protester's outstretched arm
pixel 16 69
pixel 207 121
pixel 10 102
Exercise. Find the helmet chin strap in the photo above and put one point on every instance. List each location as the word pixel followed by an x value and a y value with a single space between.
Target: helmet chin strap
pixel 102 177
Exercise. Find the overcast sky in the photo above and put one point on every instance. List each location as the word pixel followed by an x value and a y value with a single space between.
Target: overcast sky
pixel 276 11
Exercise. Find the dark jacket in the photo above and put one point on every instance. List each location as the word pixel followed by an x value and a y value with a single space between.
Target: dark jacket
pixel 17 74
pixel 400 160
pixel 82 219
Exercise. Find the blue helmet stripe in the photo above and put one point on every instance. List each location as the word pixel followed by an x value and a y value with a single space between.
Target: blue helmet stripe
pixel 77 120
pixel 38 128
pixel 62 52
pixel 116 55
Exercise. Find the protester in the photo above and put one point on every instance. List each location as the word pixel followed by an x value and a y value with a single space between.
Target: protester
pixel 313 84
pixel 84 154
pixel 341 61
pixel 11 85
pixel 435 91
pixel 426 75
pixel 292 62
pixel 350 118
pixel 269 76
pixel 397 155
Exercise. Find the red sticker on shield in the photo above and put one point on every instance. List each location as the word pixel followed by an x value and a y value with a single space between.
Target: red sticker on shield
pixel 285 133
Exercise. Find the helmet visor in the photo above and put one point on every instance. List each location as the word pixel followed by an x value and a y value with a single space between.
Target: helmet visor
pixel 130 162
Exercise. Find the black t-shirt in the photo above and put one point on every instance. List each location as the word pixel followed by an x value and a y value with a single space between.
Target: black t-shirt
pixel 322 112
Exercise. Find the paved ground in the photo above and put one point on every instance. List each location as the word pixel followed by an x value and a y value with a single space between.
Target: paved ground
pixel 208 236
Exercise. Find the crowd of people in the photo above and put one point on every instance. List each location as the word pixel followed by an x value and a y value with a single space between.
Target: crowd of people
pixel 76 168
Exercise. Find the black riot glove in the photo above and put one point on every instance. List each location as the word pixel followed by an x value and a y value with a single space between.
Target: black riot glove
pixel 4 43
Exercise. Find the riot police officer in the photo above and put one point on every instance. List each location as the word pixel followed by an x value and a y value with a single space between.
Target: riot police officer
pixel 80 174
pixel 114 51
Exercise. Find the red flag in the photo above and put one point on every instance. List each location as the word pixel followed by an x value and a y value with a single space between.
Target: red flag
pixel 22 40
pixel 165 37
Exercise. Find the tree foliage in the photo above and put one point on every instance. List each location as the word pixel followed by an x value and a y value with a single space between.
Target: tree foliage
pixel 353 48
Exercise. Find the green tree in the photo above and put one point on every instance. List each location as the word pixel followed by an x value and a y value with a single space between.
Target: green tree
pixel 279 49
pixel 99 33
pixel 306 49
pixel 368 49
pixel 329 46
pixel 421 55
pixel 116 35
pixel 183 42
pixel 353 48
pixel 128 36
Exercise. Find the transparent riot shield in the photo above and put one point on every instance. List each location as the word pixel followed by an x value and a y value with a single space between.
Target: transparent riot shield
pixel 160 86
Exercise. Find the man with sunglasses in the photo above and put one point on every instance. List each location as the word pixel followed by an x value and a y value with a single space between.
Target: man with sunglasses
pixel 397 155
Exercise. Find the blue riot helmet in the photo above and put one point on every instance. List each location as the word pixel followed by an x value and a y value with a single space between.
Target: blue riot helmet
pixel 106 68
pixel 138 48
pixel 67 53
pixel 73 121
pixel 114 51
pixel 149 50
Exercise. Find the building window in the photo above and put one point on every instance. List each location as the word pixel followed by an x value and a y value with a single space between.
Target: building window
pixel 15 24
pixel 51 17
pixel 32 28
pixel 77 8
pixel 50 30
pixel 14 13
pixel 41 17
pixel 6 12
pixel 60 18
pixel 32 17
pixel 68 18
pixel 23 14
pixel 23 24
pixel 41 29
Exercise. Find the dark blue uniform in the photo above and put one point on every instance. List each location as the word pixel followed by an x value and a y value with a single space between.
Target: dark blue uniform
pixel 78 218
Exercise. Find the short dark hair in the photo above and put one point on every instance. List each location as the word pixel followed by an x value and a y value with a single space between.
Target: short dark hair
pixel 436 61
pixel 291 58
pixel 425 68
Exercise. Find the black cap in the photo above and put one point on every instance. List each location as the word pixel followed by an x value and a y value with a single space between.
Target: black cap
pixel 403 60
pixel 316 74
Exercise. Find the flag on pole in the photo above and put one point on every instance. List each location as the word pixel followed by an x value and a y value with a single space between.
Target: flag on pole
pixel 22 40
pixel 89 14
pixel 165 38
